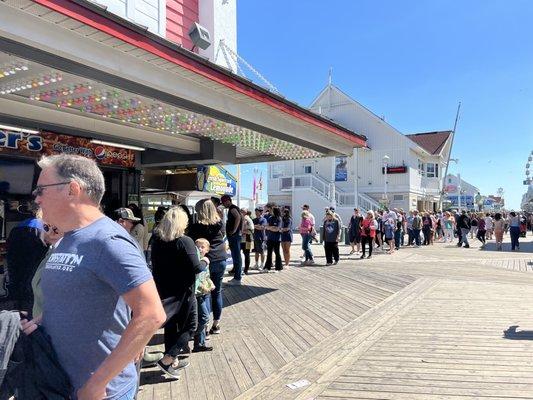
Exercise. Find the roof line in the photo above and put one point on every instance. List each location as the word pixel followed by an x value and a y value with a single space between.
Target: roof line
pixel 104 21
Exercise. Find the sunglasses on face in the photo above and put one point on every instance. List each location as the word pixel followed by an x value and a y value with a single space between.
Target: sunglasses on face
pixel 39 189
pixel 47 228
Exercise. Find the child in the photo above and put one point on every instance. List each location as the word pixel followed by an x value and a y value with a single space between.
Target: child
pixel 203 286
pixel 389 234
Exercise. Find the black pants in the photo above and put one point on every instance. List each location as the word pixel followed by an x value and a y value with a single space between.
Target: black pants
pixel 246 257
pixel 481 235
pixel 273 246
pixel 427 234
pixel 369 240
pixel 332 251
pixel 181 327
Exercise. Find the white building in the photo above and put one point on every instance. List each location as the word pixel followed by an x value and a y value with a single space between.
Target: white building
pixel 415 164
pixel 453 185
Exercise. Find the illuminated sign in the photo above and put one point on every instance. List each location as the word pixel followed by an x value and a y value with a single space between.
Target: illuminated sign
pixel 395 170
pixel 47 143
pixel 216 180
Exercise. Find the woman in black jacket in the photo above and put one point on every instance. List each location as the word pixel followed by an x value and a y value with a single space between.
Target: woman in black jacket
pixel 175 263
pixel 210 227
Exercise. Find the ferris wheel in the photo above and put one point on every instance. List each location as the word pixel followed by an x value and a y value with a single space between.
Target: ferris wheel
pixel 529 180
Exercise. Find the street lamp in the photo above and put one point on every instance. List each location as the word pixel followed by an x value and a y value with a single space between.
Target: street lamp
pixel 386 159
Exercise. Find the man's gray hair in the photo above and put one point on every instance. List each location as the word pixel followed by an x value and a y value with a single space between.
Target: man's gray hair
pixel 80 169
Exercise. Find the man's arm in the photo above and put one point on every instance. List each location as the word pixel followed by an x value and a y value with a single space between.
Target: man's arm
pixel 147 316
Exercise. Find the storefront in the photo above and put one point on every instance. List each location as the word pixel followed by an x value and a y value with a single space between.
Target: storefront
pixel 76 74
pixel 21 147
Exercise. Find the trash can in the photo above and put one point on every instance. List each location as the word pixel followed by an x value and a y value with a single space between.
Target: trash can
pixel 346 235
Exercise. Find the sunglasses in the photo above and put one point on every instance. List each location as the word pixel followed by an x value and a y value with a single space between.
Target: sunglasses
pixel 39 189
pixel 47 228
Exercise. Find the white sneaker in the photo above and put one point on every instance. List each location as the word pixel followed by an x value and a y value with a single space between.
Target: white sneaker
pixel 234 282
pixel 256 266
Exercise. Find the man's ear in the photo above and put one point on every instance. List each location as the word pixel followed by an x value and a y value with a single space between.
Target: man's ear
pixel 74 189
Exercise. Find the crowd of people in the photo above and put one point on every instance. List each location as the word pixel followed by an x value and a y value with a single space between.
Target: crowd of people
pixel 98 288
pixel 390 227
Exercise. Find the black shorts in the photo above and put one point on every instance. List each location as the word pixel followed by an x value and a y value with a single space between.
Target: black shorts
pixel 355 237
pixel 258 246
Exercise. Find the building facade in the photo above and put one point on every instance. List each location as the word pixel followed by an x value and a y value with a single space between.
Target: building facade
pixel 402 171
pixel 460 193
pixel 120 82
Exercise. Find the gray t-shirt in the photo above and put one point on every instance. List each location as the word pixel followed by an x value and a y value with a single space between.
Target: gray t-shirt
pixel 83 311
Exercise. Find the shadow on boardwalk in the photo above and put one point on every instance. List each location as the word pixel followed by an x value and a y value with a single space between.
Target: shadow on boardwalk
pixel 513 334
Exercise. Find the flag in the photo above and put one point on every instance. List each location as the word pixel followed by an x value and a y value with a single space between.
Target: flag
pixel 254 193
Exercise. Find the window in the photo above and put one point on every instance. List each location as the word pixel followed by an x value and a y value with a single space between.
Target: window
pixel 307 169
pixel 277 170
pixel 432 170
pixel 398 197
pixel 421 168
pixel 286 183
pixel 148 13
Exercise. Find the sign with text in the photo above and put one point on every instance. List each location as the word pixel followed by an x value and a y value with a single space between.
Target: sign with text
pixel 47 143
pixel 466 200
pixel 402 169
pixel 341 169
pixel 215 180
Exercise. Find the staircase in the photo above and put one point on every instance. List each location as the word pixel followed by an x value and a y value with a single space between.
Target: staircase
pixel 324 189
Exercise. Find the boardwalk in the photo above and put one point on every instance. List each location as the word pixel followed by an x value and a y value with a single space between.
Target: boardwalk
pixel 423 323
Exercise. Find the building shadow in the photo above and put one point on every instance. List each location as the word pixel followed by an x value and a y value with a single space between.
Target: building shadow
pixel 525 247
pixel 237 294
pixel 512 333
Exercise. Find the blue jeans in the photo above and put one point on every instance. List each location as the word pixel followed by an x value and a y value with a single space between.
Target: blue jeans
pixel 234 242
pixel 216 270
pixel 398 235
pixel 515 234
pixel 203 319
pixel 129 395
pixel 416 234
pixel 306 246
pixel 464 236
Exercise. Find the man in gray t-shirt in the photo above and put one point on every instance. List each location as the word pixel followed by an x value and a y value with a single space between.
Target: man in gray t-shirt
pixel 100 302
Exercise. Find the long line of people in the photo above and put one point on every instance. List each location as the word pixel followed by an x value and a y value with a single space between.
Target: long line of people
pixel 121 303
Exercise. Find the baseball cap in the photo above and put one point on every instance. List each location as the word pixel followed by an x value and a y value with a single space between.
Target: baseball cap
pixel 258 209
pixel 126 213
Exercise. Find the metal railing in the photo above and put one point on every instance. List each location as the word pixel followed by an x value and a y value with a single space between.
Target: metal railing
pixel 323 188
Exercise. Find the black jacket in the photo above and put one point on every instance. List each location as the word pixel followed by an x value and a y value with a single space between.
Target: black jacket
pixel 32 366
pixel 25 250
pixel 463 222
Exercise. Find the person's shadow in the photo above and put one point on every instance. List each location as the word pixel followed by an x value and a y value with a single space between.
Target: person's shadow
pixel 512 333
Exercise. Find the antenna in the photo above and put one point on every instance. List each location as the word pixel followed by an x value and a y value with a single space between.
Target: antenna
pixel 330 75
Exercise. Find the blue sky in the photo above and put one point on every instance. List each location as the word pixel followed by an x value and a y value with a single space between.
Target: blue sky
pixel 411 61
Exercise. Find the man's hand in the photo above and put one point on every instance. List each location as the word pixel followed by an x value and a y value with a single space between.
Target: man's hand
pixel 29 326
pixel 91 392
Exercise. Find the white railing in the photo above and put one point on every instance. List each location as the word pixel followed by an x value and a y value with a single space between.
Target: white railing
pixel 367 203
pixel 324 188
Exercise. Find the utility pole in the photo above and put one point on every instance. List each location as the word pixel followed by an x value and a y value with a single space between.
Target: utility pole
pixel 239 185
pixel 449 155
